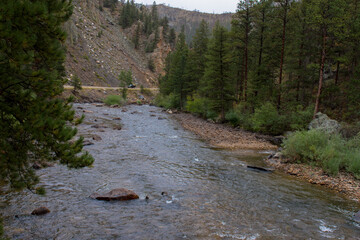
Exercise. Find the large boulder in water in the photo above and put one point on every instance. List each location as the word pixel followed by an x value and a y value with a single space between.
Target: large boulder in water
pixel 119 194
pixel 40 211
pixel 323 122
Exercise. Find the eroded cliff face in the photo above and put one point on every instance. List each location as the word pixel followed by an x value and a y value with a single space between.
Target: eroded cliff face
pixel 98 49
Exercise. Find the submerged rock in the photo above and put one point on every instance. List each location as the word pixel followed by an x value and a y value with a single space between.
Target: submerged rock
pixel 87 143
pixel 40 211
pixel 260 169
pixel 119 194
pixel 323 122
pixel 96 138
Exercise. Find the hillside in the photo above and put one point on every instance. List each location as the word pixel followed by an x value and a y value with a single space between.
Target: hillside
pixel 191 19
pixel 98 50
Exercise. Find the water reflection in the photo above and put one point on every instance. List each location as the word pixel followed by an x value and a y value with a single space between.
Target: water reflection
pixel 210 194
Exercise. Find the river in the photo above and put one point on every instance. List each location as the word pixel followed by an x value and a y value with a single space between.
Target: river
pixel 208 193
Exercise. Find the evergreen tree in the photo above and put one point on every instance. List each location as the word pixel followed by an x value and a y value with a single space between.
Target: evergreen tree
pixel 76 83
pixel 177 77
pixel 35 125
pixel 195 66
pixel 326 18
pixel 242 25
pixel 172 37
pixel 217 84
pixel 154 16
pixel 136 38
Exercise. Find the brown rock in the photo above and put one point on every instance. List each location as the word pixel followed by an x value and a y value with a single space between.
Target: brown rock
pixel 96 138
pixel 119 194
pixel 117 128
pixel 40 211
pixel 117 118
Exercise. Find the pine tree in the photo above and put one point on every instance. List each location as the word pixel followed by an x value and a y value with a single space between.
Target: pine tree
pixel 195 66
pixel 35 125
pixel 242 25
pixel 217 84
pixel 177 77
pixel 136 38
pixel 326 18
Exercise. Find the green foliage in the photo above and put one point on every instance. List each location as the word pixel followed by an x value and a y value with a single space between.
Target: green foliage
pixel 109 3
pixel 151 65
pixel 217 85
pixel 76 83
pixel 34 122
pixel 169 102
pixel 40 191
pixel 100 33
pixel 124 92
pixel 145 91
pixel 330 152
pixel 129 14
pixel 267 120
pixel 125 78
pixel 114 100
pixel 199 106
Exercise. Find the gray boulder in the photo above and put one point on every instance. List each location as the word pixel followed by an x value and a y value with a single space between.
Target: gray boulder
pixel 119 194
pixel 323 122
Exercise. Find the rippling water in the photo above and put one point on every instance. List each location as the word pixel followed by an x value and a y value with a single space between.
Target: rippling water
pixel 210 192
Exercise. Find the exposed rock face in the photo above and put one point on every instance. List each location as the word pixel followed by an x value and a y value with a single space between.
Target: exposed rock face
pixel 119 194
pixel 323 122
pixel 98 49
pixel 40 211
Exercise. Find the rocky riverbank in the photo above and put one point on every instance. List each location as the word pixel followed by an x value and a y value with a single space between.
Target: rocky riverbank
pixel 223 136
pixel 344 183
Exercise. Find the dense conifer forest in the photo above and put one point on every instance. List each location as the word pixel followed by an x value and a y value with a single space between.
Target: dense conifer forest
pixel 281 62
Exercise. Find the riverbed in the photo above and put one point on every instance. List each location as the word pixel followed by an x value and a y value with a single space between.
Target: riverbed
pixel 195 191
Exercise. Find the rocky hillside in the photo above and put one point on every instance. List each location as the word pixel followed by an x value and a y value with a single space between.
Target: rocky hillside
pixel 98 50
pixel 191 19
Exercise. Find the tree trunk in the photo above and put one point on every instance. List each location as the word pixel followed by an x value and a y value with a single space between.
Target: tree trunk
pixel 321 77
pixel 247 29
pixel 282 52
pixel 337 72
pixel 261 40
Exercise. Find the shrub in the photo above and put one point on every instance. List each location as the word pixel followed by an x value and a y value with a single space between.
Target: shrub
pixel 151 65
pixel 198 105
pixel 169 101
pixel 76 83
pixel 331 152
pixel 125 78
pixel 114 100
pixel 303 146
pixel 301 118
pixel 266 119
pixel 233 118
pixel 124 91
pixel 145 91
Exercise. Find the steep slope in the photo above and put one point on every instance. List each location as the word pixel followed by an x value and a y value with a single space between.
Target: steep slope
pixel 98 50
pixel 191 19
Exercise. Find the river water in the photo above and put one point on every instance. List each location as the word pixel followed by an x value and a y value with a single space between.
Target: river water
pixel 209 193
